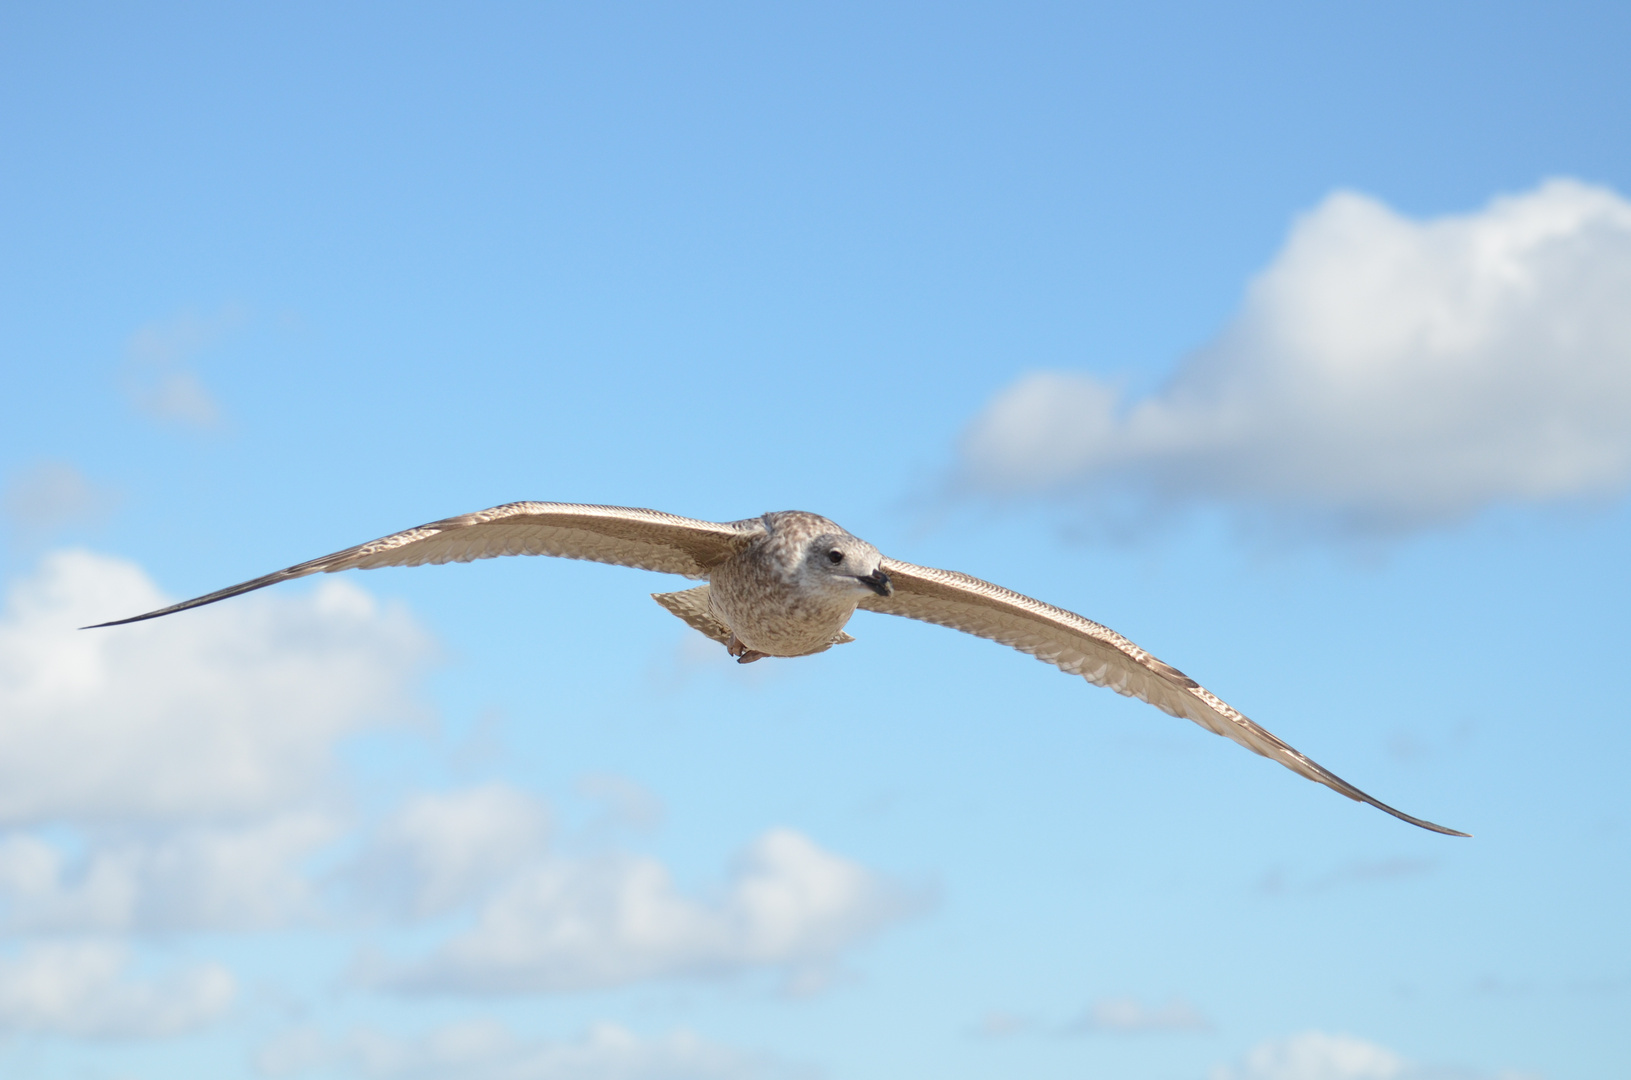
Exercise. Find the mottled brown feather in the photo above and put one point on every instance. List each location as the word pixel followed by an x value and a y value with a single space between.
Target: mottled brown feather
pixel 692 607
pixel 625 536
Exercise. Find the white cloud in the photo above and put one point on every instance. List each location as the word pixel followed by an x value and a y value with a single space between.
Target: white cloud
pixel 482 1050
pixel 190 878
pixel 1129 1015
pixel 1383 374
pixel 78 989
pixel 159 385
pixel 169 778
pixel 179 777
pixel 441 850
pixel 230 710
pixel 576 924
pixel 1315 1055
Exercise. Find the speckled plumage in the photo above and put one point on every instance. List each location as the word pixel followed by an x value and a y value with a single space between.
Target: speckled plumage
pixel 787 583
pixel 770 598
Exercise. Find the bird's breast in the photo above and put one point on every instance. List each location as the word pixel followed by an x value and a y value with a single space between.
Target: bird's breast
pixel 772 614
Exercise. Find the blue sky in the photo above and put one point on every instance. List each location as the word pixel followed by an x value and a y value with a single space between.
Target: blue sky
pixel 1289 342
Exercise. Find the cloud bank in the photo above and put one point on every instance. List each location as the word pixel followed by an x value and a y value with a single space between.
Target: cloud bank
pixel 78 989
pixel 181 778
pixel 229 712
pixel 440 850
pixel 166 779
pixel 165 881
pixel 1383 375
pixel 557 925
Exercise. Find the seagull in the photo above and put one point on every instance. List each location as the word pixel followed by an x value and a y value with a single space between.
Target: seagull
pixel 786 584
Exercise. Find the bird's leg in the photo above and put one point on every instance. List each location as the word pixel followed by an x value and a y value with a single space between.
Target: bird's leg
pixel 743 654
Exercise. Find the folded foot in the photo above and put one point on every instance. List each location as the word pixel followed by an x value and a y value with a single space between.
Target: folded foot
pixel 743 654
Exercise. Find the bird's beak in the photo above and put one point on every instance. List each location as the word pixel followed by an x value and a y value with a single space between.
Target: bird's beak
pixel 877 581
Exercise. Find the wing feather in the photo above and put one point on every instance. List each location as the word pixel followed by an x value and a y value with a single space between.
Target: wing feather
pixel 625 536
pixel 692 606
pixel 1098 654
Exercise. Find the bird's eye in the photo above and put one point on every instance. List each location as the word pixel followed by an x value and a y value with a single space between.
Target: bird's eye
pixel 835 557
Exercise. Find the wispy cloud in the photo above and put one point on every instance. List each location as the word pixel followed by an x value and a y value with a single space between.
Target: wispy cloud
pixel 1002 1024
pixel 160 384
pixel 1414 746
pixel 1316 1055
pixel 623 803
pixel 1127 1015
pixel 1108 1015
pixel 50 495
pixel 81 989
pixel 486 1050
pixel 1384 375
pixel 1496 986
pixel 1359 872
pixel 441 850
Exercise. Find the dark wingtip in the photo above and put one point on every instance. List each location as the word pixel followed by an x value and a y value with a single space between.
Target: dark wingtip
pixel 216 596
pixel 1418 822
pixel 1322 775
pixel 122 622
pixel 1341 786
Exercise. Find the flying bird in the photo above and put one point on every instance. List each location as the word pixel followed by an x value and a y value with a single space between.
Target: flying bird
pixel 786 584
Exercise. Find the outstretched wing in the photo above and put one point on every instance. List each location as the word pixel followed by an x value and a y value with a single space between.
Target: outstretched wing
pixel 1098 654
pixel 646 539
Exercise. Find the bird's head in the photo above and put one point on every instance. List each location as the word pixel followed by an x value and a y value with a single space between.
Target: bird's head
pixel 838 560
